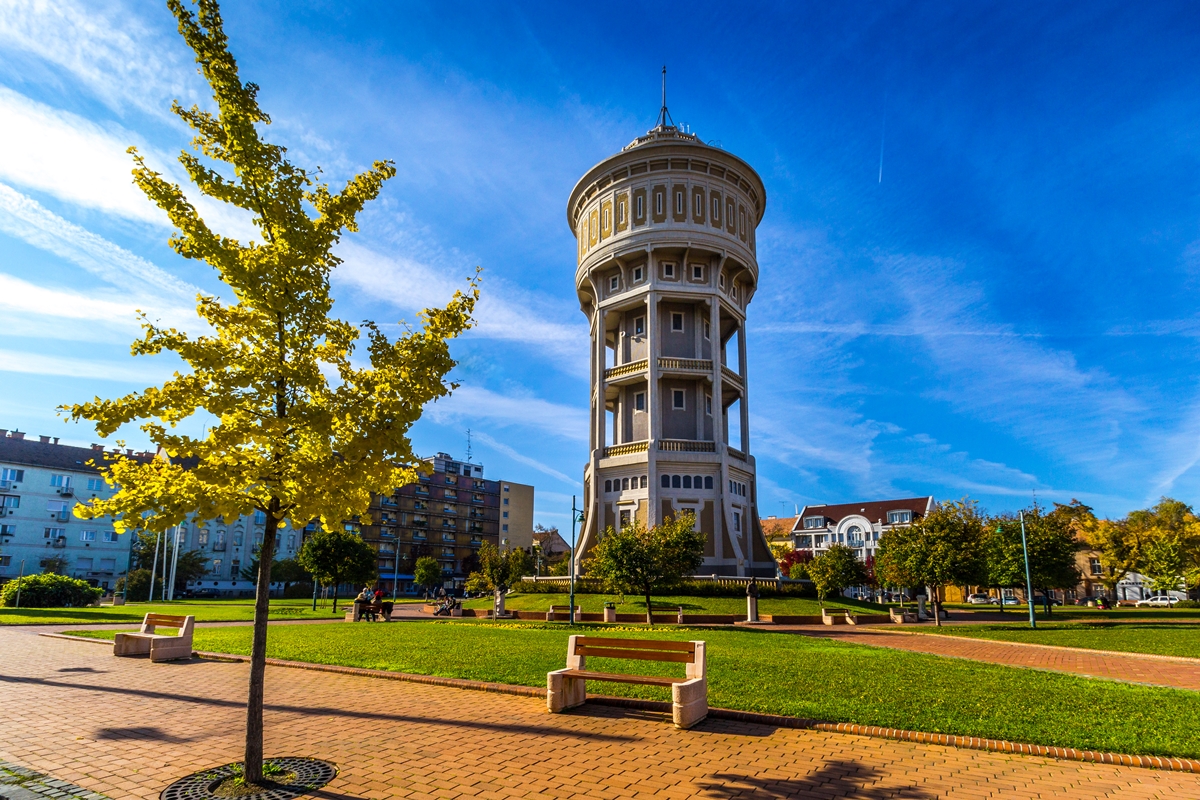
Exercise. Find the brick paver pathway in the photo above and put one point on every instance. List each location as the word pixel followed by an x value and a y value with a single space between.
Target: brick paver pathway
pixel 1114 666
pixel 126 727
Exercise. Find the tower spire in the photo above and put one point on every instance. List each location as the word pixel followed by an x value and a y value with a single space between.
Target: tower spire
pixel 664 117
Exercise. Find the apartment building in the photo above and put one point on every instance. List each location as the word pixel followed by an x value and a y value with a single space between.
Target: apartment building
pixel 447 514
pixel 40 483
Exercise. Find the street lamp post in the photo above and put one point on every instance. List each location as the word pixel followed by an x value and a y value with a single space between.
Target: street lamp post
pixel 1028 582
pixel 154 567
pixel 576 517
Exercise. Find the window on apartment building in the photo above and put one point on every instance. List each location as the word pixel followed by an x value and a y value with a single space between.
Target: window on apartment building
pixel 84 563
pixel 643 481
pixel 110 537
pixel 216 566
pixel 737 520
pixel 504 528
pixel 5 561
pixel 639 401
pixel 666 481
pixel 607 486
pixel 637 274
pixel 676 321
pixel 202 539
pixel 899 517
pixel 96 485
pixel 506 501
pixel 1094 566
pixel 61 481
pixel 687 481
pixel 506 487
pixel 677 398
pixel 260 518
pixel 676 482
pixel 814 522
pixel 505 514
pixel 54 533
pixel 10 501
pixel 237 539
pixel 291 541
pixel 13 475
pixel 668 270
pixel 8 530
pixel 87 536
pixel 624 519
pixel 639 326
pixel 625 484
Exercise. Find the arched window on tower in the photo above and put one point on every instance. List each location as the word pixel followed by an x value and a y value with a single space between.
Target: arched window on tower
pixel 666 481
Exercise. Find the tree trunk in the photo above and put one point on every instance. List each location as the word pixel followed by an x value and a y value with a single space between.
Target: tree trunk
pixel 649 610
pixel 1000 594
pixel 336 584
pixel 258 650
pixel 937 606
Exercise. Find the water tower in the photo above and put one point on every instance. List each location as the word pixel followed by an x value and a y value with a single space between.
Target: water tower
pixel 666 269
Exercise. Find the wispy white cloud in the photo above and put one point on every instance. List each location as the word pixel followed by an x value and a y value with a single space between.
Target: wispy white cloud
pixel 99 45
pixel 521 458
pixel 531 413
pixel 504 313
pixel 26 219
pixel 144 373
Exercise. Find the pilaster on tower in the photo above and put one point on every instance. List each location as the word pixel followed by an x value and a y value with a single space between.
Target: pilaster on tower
pixel 666 267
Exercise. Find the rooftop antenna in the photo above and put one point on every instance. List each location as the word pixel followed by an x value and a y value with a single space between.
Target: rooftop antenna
pixel 664 116
pixel 468 445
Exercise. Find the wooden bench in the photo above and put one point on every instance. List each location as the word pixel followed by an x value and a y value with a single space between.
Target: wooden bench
pixel 160 646
pixel 902 617
pixel 566 688
pixel 565 611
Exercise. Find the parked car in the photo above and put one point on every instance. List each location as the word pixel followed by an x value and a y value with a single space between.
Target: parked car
pixel 979 599
pixel 1040 600
pixel 1009 600
pixel 204 593
pixel 1158 601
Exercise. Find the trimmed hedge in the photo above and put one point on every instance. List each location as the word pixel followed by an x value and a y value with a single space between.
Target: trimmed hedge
pixel 50 591
pixel 693 588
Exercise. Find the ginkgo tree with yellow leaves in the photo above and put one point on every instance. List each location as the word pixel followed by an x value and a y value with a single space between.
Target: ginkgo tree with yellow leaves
pixel 306 428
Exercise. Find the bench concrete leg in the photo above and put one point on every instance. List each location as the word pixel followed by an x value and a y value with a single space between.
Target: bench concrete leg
pixel 128 644
pixel 563 692
pixel 170 649
pixel 689 702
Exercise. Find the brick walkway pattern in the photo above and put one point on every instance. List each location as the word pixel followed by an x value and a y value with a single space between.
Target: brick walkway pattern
pixel 1113 666
pixel 126 728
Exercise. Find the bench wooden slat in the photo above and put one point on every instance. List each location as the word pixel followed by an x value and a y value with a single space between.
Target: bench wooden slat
pixel 646 680
pixel 165 619
pixel 636 644
pixel 639 655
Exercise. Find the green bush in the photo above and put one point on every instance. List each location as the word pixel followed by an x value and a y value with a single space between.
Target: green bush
pixel 1188 604
pixel 136 585
pixel 298 590
pixel 49 591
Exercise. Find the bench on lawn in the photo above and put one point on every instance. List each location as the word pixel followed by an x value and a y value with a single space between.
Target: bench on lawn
pixel 901 617
pixel 160 646
pixel 566 688
pixel 369 611
pixel 565 611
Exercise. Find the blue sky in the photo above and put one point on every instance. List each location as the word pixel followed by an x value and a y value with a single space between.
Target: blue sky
pixel 980 259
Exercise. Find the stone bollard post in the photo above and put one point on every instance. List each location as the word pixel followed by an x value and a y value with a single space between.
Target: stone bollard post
pixel 751 608
pixel 921 613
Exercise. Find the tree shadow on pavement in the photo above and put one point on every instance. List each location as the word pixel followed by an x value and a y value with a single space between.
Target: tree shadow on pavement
pixel 143 733
pixel 832 779
pixel 324 711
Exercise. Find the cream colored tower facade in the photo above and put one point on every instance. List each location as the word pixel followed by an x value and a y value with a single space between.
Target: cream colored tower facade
pixel 666 269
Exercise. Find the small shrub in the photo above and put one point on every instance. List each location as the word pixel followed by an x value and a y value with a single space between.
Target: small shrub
pixel 1188 604
pixel 49 591
pixel 298 590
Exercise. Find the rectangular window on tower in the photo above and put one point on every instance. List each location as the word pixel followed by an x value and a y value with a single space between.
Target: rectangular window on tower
pixel 676 322
pixel 708 404
pixel 707 329
pixel 637 274
pixel 677 399
pixel 639 401
pixel 697 272
pixel 614 283
pixel 668 270
pixel 639 326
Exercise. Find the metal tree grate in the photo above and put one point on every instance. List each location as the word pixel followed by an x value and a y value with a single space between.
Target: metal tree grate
pixel 311 774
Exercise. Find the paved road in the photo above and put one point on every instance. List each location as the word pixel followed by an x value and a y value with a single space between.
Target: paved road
pixel 126 727
pixel 1132 668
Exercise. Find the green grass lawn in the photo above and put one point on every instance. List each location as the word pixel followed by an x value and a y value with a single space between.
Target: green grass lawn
pixel 594 603
pixel 1167 639
pixel 203 610
pixel 778 674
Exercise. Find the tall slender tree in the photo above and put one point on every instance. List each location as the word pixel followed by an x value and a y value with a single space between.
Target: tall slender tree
pixel 302 431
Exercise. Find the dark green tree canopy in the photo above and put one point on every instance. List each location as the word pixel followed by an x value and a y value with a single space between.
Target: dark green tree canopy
pixel 645 561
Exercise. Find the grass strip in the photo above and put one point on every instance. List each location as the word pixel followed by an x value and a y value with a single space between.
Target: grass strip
pixel 594 604
pixel 777 673
pixel 1164 639
pixel 203 610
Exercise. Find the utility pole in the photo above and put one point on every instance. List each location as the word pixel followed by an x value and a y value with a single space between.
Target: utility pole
pixel 1028 582
pixel 574 520
pixel 170 589
pixel 20 578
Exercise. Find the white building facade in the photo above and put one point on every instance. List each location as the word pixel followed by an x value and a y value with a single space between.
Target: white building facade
pixel 858 526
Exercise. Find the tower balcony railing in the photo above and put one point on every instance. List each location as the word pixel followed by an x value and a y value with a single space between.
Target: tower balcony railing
pixel 627 449
pixel 621 370
pixel 686 446
pixel 733 451
pixel 685 364
pixel 729 375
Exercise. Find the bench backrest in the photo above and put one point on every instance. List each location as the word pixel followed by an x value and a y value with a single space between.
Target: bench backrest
pixel 689 653
pixel 184 624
